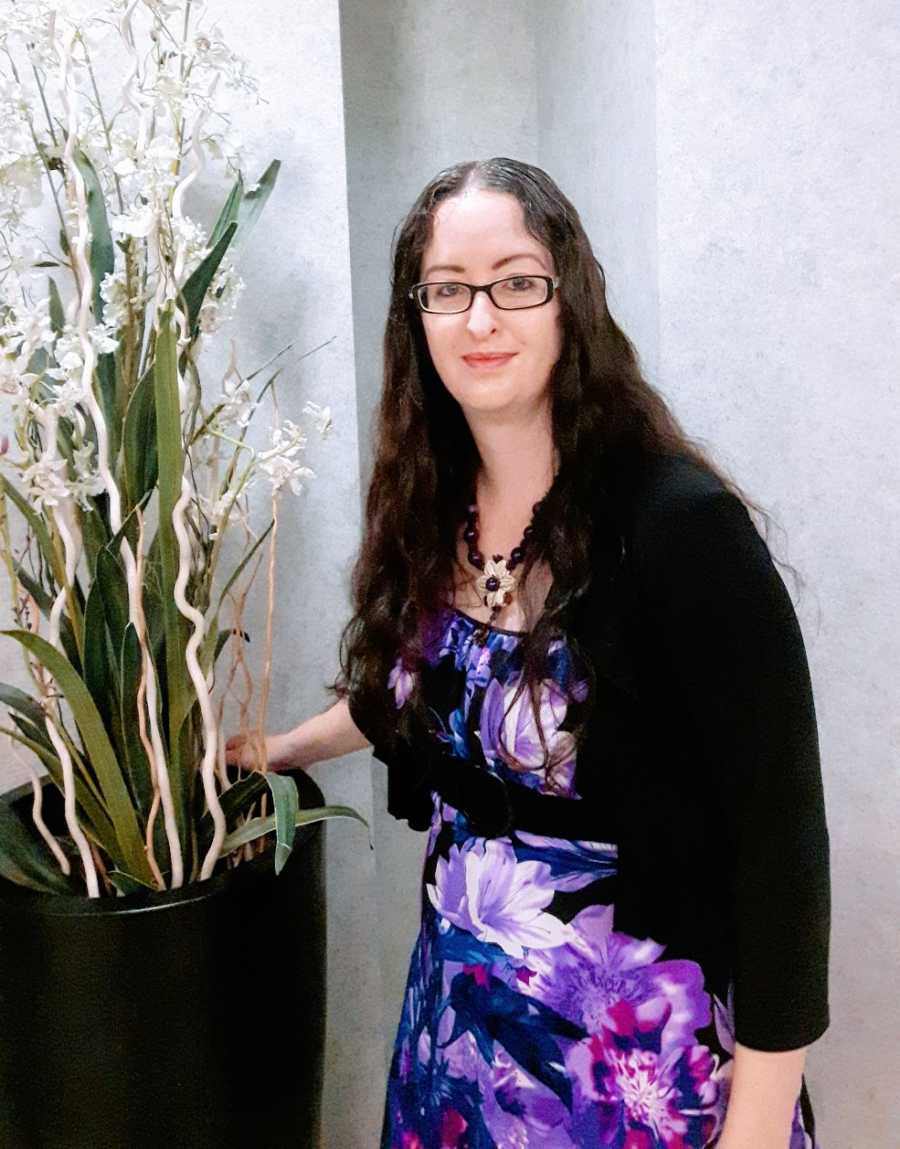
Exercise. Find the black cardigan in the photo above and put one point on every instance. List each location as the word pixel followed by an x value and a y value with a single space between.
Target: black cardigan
pixel 701 759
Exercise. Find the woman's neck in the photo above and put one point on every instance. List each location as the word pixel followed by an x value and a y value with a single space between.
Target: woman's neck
pixel 518 465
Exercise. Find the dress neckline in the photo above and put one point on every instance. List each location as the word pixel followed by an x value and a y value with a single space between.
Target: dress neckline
pixel 487 625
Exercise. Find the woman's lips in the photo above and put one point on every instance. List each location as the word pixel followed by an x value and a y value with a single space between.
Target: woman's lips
pixel 488 363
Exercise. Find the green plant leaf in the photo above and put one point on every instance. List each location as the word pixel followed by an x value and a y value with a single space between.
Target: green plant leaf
pixel 212 642
pixel 257 827
pixel 127 850
pixel 25 858
pixel 109 400
pixel 114 543
pixel 98 668
pixel 38 527
pixel 244 206
pixel 179 694
pixel 135 756
pixel 57 314
pixel 254 200
pixel 34 588
pixel 129 884
pixel 287 805
pixel 102 263
pixel 17 699
pixel 29 730
pixel 94 817
pixel 93 532
pixel 197 285
pixel 229 212
pixel 114 594
pixel 103 255
pixel 235 800
pixel 45 603
pixel 139 457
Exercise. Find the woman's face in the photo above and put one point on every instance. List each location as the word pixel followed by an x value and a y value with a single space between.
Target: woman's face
pixel 479 236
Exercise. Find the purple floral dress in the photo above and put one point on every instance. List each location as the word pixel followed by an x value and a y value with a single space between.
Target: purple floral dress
pixel 528 1020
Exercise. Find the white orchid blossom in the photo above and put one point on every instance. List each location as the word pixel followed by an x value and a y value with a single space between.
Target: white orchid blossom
pixel 45 483
pixel 278 463
pixel 321 416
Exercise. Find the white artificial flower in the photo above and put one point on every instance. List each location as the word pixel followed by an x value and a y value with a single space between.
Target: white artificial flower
pixel 163 8
pixel 65 398
pixel 21 172
pixel 278 463
pixel 238 406
pixel 44 484
pixel 226 145
pixel 103 338
pixel 287 440
pixel 209 320
pixel 321 416
pixel 190 235
pixel 280 470
pixel 21 260
pixel 87 480
pixel 221 298
pixel 15 379
pixel 69 355
pixel 114 293
pixel 213 55
pixel 29 328
pixel 138 223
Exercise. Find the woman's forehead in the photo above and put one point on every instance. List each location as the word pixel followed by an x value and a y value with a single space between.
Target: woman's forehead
pixel 477 226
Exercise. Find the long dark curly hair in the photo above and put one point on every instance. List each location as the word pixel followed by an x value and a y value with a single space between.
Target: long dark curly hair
pixel 426 461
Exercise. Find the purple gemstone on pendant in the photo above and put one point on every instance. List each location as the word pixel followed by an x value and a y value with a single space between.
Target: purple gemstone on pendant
pixel 476 559
pixel 492 584
pixel 470 534
pixel 516 555
pixel 529 530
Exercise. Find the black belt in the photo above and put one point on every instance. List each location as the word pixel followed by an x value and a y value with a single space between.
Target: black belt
pixel 495 807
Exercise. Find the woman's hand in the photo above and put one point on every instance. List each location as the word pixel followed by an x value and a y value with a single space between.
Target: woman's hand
pixel 278 752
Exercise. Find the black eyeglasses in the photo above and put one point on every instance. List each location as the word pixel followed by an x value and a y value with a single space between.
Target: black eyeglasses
pixel 513 293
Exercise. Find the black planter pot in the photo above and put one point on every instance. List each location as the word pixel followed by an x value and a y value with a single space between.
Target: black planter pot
pixel 193 1018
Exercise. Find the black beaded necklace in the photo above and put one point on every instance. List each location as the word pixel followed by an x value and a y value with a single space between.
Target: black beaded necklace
pixel 497 584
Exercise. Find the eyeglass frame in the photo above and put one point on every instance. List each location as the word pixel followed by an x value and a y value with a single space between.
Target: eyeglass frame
pixel 474 288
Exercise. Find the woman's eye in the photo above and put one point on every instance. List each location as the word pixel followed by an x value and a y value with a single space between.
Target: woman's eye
pixel 448 289
pixel 518 285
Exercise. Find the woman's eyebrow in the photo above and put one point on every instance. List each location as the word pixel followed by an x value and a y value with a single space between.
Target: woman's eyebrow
pixel 499 263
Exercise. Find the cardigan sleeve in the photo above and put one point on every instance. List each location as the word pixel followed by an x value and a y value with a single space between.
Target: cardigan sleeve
pixel 408 795
pixel 736 659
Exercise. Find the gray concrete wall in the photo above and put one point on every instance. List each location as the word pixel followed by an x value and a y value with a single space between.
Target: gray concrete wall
pixel 777 254
pixel 597 139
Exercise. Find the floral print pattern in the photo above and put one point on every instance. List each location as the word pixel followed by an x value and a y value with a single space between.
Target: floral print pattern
pixel 528 1020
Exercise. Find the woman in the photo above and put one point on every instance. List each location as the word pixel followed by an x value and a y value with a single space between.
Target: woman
pixel 573 652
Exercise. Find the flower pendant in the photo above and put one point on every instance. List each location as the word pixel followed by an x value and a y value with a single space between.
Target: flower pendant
pixel 496 585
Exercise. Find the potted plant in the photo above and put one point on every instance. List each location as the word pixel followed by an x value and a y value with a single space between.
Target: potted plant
pixel 155 941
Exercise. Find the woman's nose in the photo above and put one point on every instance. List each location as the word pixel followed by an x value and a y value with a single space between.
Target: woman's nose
pixel 482 314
